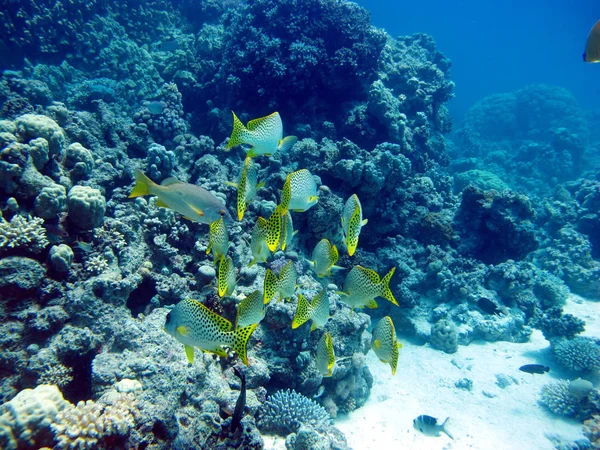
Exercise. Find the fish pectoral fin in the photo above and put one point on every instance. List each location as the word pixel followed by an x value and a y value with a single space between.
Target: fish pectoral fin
pixel 160 203
pixel 189 352
pixel 260 185
pixel 231 183
pixel 182 330
pixel 372 304
pixel 195 209
pixel 340 293
pixel 219 352
pixel 313 198
pixel 376 343
pixel 364 222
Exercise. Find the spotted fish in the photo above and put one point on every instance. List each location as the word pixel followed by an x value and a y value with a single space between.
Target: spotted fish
pixel 324 257
pixel 363 285
pixel 287 231
pixel 265 135
pixel 285 284
pixel 258 242
pixel 218 239
pixel 352 222
pixel 246 186
pixel 385 343
pixel 299 192
pixel 316 310
pixel 194 325
pixel 193 202
pixel 325 355
pixel 250 310
pixel 226 277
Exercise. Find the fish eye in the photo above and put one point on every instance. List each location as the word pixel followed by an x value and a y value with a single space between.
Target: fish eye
pixel 222 212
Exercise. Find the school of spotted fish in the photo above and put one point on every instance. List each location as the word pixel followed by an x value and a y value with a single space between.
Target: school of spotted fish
pixel 194 325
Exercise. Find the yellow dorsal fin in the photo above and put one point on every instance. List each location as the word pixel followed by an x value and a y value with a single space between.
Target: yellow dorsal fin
pixel 237 133
pixel 254 123
pixel 372 304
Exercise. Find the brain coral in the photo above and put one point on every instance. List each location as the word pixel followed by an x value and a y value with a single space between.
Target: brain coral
pixel 31 126
pixel 86 207
pixel 26 419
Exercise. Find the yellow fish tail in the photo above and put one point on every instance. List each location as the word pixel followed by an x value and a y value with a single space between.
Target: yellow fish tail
pixel 303 312
pixel 143 185
pixel 394 360
pixel 385 287
pixel 241 207
pixel 353 231
pixel 286 195
pixel 270 288
pixel 274 230
pixel 237 134
pixel 240 341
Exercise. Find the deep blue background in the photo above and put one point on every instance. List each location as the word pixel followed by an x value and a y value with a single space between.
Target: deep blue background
pixel 500 46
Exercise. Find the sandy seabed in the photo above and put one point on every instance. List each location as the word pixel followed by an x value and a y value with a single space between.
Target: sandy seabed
pixel 488 417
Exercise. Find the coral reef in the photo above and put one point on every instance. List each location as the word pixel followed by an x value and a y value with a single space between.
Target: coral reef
pixel 287 411
pixel 489 234
pixel 580 354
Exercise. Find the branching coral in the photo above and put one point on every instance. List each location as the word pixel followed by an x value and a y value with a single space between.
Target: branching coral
pixel 23 232
pixel 286 411
pixel 579 354
pixel 86 425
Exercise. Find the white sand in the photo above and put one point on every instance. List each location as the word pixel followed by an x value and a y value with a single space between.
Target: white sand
pixel 424 384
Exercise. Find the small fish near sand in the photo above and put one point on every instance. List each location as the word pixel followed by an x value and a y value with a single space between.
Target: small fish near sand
pixel 191 201
pixel 385 343
pixel 534 368
pixel 429 426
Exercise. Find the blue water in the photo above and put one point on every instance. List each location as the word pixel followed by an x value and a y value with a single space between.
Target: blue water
pixel 500 46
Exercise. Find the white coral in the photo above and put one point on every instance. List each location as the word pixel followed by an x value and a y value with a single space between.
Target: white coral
pixel 96 264
pixel 85 425
pixel 23 231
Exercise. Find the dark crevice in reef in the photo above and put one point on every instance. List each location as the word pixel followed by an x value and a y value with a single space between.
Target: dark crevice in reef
pixel 140 298
pixel 80 388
